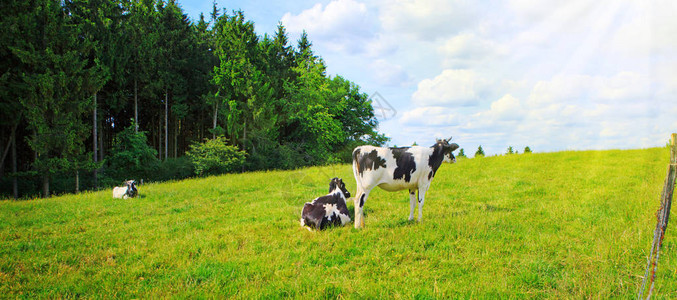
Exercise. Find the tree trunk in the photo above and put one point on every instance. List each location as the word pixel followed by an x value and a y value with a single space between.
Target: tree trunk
pixel 11 136
pixel 9 147
pixel 136 108
pixel 216 113
pixel 244 137
pixel 77 181
pixel 176 136
pixel 15 184
pixel 101 148
pixel 45 186
pixel 166 124
pixel 159 138
pixel 244 140
pixel 95 140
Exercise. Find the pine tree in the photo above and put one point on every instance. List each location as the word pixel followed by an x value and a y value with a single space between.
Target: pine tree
pixel 58 92
pixel 461 153
pixel 479 152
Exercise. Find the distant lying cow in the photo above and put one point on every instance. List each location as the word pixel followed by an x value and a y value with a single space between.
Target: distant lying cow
pixel 128 190
pixel 394 169
pixel 329 210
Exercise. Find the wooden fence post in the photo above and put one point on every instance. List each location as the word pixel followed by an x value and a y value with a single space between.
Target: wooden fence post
pixel 662 217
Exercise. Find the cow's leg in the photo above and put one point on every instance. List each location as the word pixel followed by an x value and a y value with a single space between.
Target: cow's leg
pixel 360 200
pixel 412 204
pixel 421 199
pixel 358 211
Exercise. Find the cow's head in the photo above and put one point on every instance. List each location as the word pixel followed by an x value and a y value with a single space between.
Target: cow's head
pixel 448 149
pixel 337 183
pixel 131 188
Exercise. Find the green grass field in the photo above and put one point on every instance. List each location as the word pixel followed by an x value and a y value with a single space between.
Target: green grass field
pixel 551 225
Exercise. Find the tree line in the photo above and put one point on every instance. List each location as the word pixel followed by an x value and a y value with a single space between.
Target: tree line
pixel 91 87
pixel 480 151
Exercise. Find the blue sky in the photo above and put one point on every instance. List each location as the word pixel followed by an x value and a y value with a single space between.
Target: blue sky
pixel 553 75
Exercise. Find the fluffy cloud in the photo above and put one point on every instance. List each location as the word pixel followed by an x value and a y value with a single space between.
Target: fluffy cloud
pixel 619 89
pixel 507 108
pixel 427 19
pixel 451 87
pixel 345 24
pixel 469 48
pixel 430 116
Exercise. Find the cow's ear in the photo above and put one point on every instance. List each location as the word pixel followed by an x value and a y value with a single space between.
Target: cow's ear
pixel 453 146
pixel 332 185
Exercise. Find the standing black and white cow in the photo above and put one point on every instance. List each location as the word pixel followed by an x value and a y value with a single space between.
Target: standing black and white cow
pixel 327 210
pixel 394 169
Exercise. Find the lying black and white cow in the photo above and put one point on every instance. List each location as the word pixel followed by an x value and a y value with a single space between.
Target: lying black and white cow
pixel 327 210
pixel 128 190
pixel 394 169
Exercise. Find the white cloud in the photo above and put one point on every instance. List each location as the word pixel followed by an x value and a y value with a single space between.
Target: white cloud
pixel 345 24
pixel 507 108
pixel 503 114
pixel 427 19
pixel 621 88
pixel 650 28
pixel 451 87
pixel 468 46
pixel 430 116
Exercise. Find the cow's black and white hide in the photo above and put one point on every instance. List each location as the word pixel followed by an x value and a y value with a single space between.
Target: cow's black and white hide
pixel 127 190
pixel 329 210
pixel 394 169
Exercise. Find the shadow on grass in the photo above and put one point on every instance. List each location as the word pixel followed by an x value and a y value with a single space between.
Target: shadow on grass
pixel 404 222
pixel 493 208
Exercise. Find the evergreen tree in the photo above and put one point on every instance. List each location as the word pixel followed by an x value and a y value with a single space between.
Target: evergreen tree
pixel 78 73
pixel 527 149
pixel 510 150
pixel 479 152
pixel 55 51
pixel 461 153
pixel 242 83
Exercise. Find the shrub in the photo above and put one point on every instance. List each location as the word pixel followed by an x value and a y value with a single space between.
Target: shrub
pixel 214 156
pixel 131 156
pixel 175 168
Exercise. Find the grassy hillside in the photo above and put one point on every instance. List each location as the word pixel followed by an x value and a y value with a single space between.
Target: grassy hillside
pixel 553 225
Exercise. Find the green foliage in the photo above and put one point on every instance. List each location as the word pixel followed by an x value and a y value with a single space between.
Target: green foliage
pixel 174 169
pixel 146 61
pixel 461 153
pixel 527 149
pixel 215 156
pixel 510 150
pixel 131 156
pixel 566 225
pixel 479 152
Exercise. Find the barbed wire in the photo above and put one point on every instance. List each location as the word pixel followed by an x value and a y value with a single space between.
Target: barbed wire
pixel 662 217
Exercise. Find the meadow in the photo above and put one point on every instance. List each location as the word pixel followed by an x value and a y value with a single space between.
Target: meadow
pixel 574 224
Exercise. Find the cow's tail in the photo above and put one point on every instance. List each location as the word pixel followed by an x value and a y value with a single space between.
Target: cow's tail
pixel 356 172
pixel 356 162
